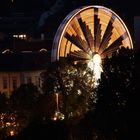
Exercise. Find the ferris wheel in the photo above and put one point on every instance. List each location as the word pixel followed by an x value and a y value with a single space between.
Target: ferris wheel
pixel 90 30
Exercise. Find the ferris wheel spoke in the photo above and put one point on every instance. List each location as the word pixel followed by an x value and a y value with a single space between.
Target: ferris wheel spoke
pixel 77 41
pixel 79 55
pixel 107 36
pixel 115 45
pixel 97 31
pixel 87 33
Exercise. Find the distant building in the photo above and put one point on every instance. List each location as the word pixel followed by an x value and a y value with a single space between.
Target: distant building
pixel 9 81
pixel 19 32
pixel 21 68
pixel 137 32
pixel 24 49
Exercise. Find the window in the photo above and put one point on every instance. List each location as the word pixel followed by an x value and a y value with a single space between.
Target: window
pixel 5 83
pixel 14 84
pixel 37 81
pixel 29 80
pixel 21 36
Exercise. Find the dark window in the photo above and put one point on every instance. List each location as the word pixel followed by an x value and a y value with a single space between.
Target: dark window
pixel 5 82
pixel 14 80
pixel 29 80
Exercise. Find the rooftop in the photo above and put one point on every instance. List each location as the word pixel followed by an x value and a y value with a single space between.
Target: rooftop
pixel 24 61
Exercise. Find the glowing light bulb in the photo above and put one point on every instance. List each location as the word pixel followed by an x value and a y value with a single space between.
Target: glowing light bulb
pixel 95 65
pixel 12 133
pixel 97 59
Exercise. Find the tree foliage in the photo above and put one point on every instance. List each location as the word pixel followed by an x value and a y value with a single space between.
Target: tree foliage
pixel 115 89
pixel 74 83
pixel 25 96
pixel 23 101
pixel 3 103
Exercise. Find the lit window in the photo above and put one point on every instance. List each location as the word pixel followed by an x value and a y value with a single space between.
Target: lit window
pixel 21 36
pixel 16 36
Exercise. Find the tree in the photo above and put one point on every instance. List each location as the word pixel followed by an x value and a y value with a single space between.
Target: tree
pixel 3 103
pixel 114 91
pixel 74 83
pixel 25 96
pixel 23 101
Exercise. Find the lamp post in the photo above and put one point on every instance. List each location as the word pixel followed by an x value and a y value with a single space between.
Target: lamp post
pixel 57 115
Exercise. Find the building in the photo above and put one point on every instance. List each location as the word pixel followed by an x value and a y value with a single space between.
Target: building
pixel 21 68
pixel 24 50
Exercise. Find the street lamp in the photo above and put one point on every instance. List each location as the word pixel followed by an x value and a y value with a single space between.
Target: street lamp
pixel 57 115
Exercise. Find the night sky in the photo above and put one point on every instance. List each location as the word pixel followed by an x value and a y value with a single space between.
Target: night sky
pixel 131 7
pixel 125 9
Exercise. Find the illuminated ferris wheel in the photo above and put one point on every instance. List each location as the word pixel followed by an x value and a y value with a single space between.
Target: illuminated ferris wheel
pixel 88 31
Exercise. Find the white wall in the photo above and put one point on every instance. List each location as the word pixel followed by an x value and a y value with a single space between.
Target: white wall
pixel 18 78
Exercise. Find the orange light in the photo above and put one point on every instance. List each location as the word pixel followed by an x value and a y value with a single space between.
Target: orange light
pixel 12 133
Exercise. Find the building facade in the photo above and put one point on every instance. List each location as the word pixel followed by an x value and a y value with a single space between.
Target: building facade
pixel 9 81
pixel 21 68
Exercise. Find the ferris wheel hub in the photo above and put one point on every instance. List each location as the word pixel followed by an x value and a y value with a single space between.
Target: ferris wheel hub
pixel 97 59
